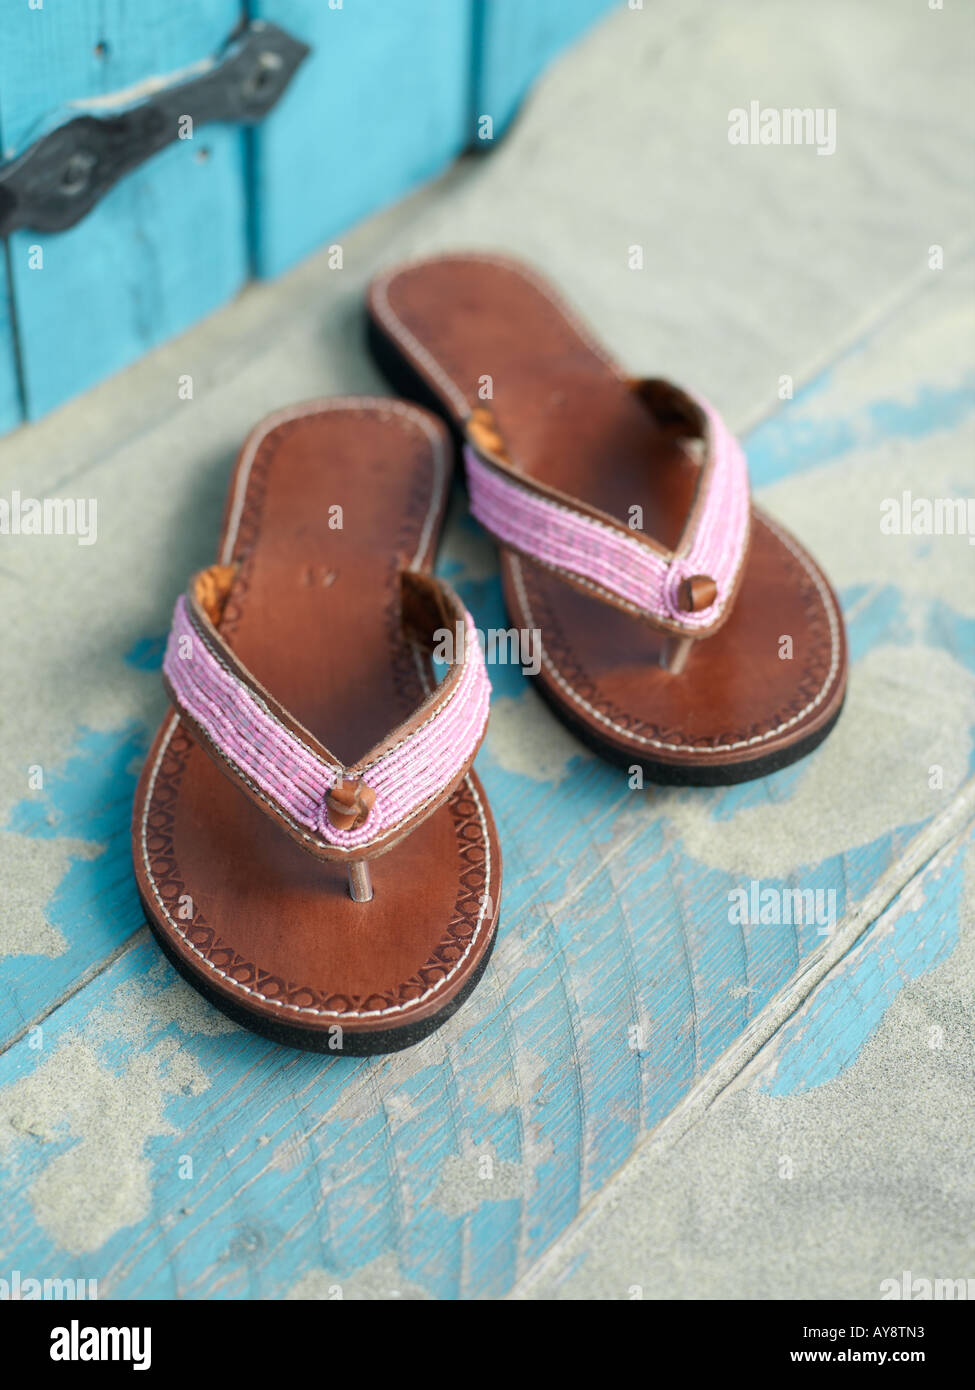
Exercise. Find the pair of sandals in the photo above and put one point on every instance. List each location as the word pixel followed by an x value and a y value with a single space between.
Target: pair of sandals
pixel 335 900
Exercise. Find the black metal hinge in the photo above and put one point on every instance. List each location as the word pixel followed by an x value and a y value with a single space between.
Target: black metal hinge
pixel 55 182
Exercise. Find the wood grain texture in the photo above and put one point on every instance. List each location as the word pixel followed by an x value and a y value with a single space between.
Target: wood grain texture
pixel 620 981
pixel 917 933
pixel 447 1171
pixel 839 1153
pixel 380 105
pixel 164 247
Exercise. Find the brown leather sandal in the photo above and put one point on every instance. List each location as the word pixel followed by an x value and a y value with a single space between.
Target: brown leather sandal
pixel 332 901
pixel 683 631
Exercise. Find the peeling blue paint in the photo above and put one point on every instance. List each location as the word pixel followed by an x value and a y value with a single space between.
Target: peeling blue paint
pixel 594 953
pixel 95 905
pixel 827 1035
pixel 788 443
pixel 147 654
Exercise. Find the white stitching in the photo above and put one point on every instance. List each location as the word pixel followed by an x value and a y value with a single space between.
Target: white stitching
pixel 616 600
pixel 380 404
pixel 392 830
pixel 392 319
pixel 705 748
pixel 304 1008
pixel 304 410
pixel 360 768
pixel 393 322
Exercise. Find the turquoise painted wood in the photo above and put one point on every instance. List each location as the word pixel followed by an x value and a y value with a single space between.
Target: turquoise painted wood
pixel 10 412
pixel 169 243
pixel 916 934
pixel 382 104
pixel 513 43
pixel 618 980
pixel 388 98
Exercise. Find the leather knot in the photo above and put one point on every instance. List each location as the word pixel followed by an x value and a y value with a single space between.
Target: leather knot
pixel 485 434
pixel 211 589
pixel 348 803
pixel 696 592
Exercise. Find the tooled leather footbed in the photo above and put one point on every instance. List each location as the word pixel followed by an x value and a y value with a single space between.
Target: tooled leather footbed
pixel 561 403
pixel 314 613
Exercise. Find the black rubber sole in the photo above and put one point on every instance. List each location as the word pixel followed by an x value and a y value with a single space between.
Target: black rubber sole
pixel 407 382
pixel 700 774
pixel 353 1044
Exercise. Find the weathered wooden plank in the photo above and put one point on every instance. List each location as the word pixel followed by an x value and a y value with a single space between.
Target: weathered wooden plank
pixel 513 43
pixel 164 247
pixel 619 978
pixel 381 105
pixel 839 1156
pixel 918 932
pixel 615 914
pixel 247 1171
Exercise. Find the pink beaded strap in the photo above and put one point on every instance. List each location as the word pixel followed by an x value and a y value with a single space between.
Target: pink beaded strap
pixel 688 590
pixel 336 812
